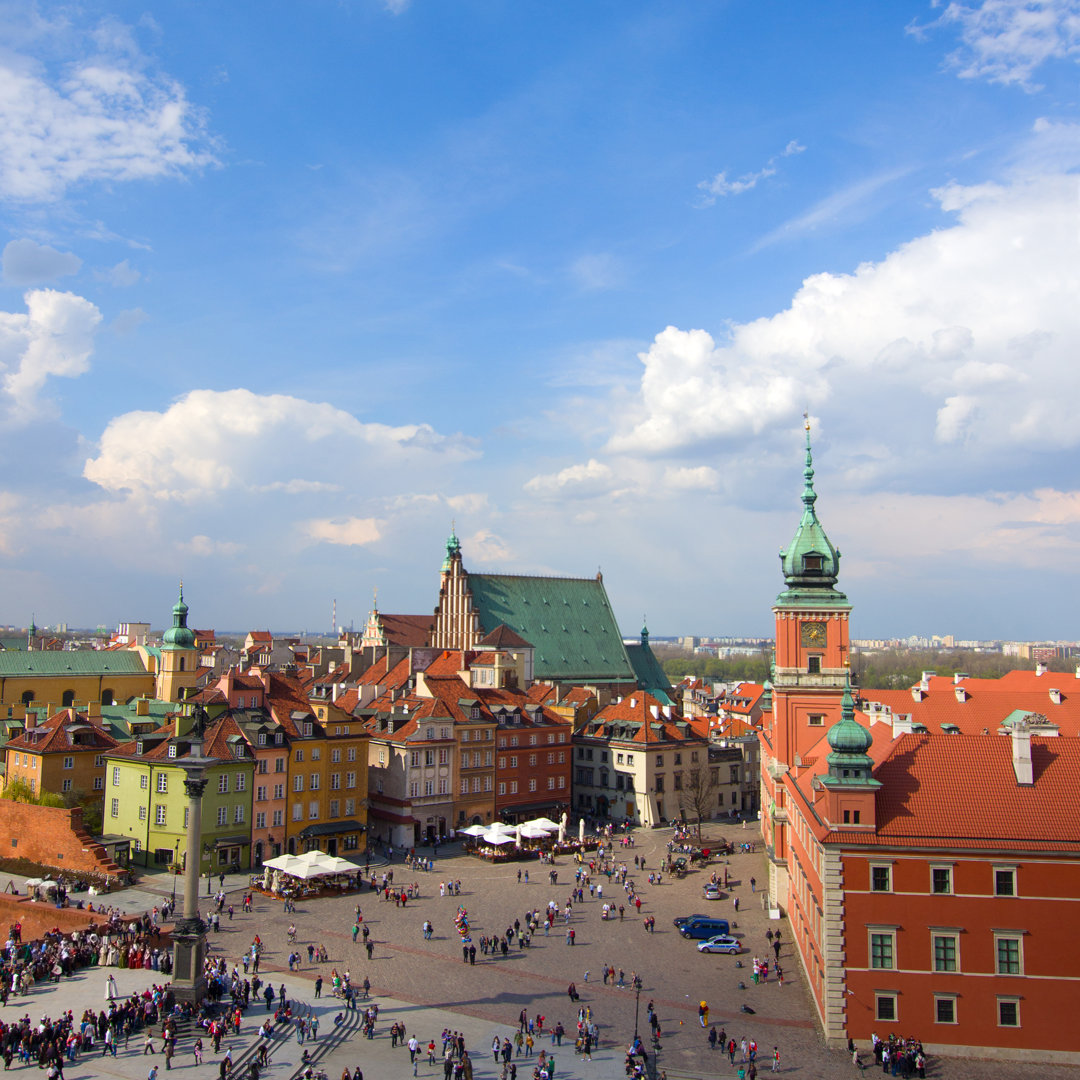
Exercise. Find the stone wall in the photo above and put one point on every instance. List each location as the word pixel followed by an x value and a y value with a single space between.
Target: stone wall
pixel 53 837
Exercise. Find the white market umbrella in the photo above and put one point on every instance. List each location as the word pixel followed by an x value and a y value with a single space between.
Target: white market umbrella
pixel 533 832
pixel 473 830
pixel 500 826
pixel 581 831
pixel 543 823
pixel 562 827
pixel 497 838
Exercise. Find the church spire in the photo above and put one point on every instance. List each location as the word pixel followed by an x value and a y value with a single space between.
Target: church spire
pixel 809 495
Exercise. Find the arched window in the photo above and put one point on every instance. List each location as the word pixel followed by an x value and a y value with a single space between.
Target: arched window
pixel 106 697
pixel 28 697
pixel 68 699
pixel 182 663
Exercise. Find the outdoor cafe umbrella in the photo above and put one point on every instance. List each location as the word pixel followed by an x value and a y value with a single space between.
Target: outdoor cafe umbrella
pixel 497 838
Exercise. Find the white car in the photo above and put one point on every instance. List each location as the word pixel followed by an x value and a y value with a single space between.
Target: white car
pixel 712 892
pixel 723 943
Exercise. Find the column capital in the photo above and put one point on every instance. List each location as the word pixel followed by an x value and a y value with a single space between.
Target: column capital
pixel 195 786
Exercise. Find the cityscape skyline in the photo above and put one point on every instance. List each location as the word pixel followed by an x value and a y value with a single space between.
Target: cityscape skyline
pixel 285 294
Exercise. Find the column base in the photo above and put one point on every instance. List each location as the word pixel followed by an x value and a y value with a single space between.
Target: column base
pixel 189 952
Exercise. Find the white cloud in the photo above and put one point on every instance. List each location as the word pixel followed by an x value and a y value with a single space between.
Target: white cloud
pixel 210 442
pixel 122 275
pixel 691 478
pixel 101 120
pixel 28 263
pixel 206 547
pixel 972 329
pixel 720 186
pixel 1006 41
pixel 396 7
pixel 350 532
pixel 128 321
pixel 54 338
pixel 486 548
pixel 589 479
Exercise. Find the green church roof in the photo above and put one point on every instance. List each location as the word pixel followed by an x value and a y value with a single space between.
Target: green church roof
pixel 568 621
pixel 178 636
pixel 650 675
pixel 75 662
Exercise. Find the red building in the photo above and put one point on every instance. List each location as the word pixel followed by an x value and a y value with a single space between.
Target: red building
pixel 929 869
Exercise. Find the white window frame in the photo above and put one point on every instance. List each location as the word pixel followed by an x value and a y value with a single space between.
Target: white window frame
pixel 888 868
pixel 952 999
pixel 1009 935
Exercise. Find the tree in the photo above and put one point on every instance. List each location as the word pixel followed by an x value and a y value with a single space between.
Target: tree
pixel 18 790
pixel 697 799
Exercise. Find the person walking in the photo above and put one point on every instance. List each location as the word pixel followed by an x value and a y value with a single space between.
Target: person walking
pixel 703 1013
pixel 775 1059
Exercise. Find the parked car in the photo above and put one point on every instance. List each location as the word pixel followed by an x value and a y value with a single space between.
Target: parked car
pixel 723 943
pixel 712 892
pixel 704 928
pixel 689 918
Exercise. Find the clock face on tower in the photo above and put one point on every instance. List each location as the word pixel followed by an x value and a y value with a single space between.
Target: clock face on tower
pixel 813 633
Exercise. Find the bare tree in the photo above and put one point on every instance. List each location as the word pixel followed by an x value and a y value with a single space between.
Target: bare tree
pixel 697 799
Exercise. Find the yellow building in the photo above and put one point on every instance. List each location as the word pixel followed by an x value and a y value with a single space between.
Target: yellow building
pixel 64 755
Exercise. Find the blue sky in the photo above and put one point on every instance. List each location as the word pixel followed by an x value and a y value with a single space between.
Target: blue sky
pixel 288 288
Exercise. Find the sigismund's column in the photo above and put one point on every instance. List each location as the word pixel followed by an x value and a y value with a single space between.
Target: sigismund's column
pixel 189 935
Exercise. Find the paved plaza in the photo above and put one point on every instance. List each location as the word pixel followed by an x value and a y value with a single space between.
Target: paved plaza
pixel 426 984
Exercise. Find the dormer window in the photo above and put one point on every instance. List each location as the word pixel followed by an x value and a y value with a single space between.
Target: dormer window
pixel 813 564
pixel 474 712
pixel 172 750
pixel 279 738
pixel 307 728
pixel 139 747
pixel 238 750
pixel 262 738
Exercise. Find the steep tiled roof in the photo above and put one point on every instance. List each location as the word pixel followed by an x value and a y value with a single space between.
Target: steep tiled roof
pixel 58 735
pixel 987 702
pixel 650 675
pixel 502 637
pixel 568 621
pixel 408 631
pixel 637 718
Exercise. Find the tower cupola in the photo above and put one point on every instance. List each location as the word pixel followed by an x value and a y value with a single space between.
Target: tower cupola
pixel 810 563
pixel 178 636
pixel 849 741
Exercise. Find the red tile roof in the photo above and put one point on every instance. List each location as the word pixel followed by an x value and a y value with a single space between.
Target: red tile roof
pixel 57 735
pixel 408 631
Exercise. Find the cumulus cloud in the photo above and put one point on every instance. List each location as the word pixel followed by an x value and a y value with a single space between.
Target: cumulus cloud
pixel 485 547
pixel 107 119
pixel 350 532
pixel 54 338
pixel 210 442
pixel 969 332
pixel 691 478
pixel 28 263
pixel 574 481
pixel 720 186
pixel 206 547
pixel 1007 41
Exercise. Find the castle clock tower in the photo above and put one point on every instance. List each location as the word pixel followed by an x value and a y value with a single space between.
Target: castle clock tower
pixel 811 665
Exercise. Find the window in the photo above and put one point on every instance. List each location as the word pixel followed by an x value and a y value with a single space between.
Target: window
pixel 502 762
pixel 885 1007
pixel 944 1009
pixel 941 880
pixel 414 759
pixel 350 807
pixel 476 785
pixel 279 764
pixel 502 787
pixel 444 756
pixel 882 948
pixel 260 794
pixel 945 953
pixel 144 782
pixel 813 665
pixel 429 757
pixel 532 759
pixel 313 784
pixel 1004 881
pixel 532 740
pixel 298 783
pixel 262 738
pixel 562 781
pixel 335 755
pixel 114 808
pixel 238 814
pixel 277 818
pixel 159 814
pixel 350 779
pixel 66 785
pixel 881 878
pixel 241 780
pixel 678 782
pixel 429 787
pixel 223 815
pixel 300 754
pixel 313 810
pixel 1008 1012
pixel 279 738
pixel 262 766
pixel 350 754
pixel 513 787
pixel 513 761
pixel 464 786
pixel 551 783
pixel 335 781
pixel 1010 959
pixel 279 791
pixel 69 763
pixel 187 810
pixel 618 759
pixel 223 783
pixel 816 720
pixel 659 761
pixel 629 759
pixel 335 808
pixel 99 783
pixel 316 751
pixel 298 812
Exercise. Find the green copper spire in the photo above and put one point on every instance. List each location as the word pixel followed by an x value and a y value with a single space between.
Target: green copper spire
pixel 178 636
pixel 453 546
pixel 810 563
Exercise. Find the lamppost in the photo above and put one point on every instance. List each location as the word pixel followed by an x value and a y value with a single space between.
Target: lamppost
pixel 637 1005
pixel 189 935
pixel 175 872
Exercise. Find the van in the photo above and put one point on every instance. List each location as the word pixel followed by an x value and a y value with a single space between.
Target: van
pixel 704 928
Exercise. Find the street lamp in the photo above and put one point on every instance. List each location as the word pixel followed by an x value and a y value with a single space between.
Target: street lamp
pixel 175 872
pixel 637 1005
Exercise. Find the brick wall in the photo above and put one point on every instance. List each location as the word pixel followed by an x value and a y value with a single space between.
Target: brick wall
pixel 51 836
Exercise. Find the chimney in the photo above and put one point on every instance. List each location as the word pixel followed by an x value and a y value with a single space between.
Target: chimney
pixel 667 712
pixel 142 707
pixel 31 720
pixel 1055 696
pixel 655 710
pixel 1040 669
pixel 917 693
pixel 334 692
pixel 901 724
pixel 1078 671
pixel 1021 754
pixel 633 703
pixel 961 694
pixel 924 682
